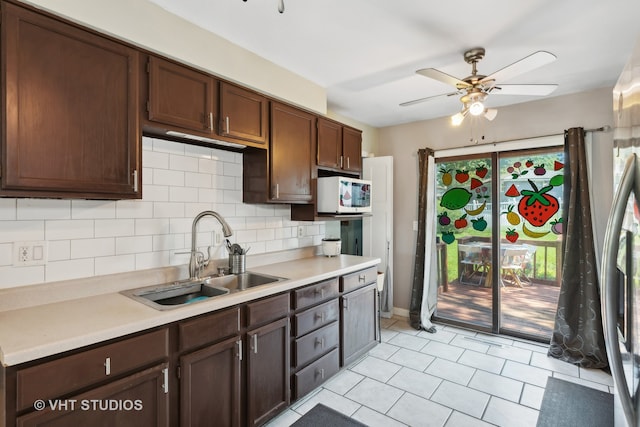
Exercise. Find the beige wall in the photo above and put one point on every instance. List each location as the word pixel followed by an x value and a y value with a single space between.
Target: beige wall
pixel 146 25
pixel 553 115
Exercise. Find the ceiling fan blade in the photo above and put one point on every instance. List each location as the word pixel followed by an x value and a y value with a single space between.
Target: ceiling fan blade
pixel 527 89
pixel 418 101
pixel 528 63
pixel 445 78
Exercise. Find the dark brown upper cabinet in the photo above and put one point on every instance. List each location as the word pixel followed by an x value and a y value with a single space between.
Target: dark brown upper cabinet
pixel 339 147
pixel 243 114
pixel 293 132
pixel 181 96
pixel 351 149
pixel 70 111
pixel 329 143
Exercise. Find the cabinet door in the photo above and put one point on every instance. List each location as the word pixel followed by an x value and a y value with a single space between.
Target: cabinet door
pixel 180 96
pixel 243 114
pixel 358 323
pixel 292 134
pixel 329 144
pixel 70 110
pixel 267 371
pixel 210 385
pixel 351 149
pixel 140 399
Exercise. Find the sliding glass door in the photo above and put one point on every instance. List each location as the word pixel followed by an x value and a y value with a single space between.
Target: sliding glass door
pixel 499 238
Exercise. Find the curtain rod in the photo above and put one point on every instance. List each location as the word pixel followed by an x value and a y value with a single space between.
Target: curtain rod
pixel 605 128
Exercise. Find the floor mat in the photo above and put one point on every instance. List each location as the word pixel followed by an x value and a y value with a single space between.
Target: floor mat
pixel 323 416
pixel 568 404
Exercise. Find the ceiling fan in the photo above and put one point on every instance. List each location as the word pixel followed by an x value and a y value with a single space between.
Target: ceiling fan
pixel 476 87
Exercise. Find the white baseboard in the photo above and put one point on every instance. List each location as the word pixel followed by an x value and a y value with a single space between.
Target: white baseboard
pixel 402 312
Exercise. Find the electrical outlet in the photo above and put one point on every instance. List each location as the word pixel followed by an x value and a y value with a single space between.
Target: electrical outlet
pixel 30 253
pixel 301 231
pixel 415 225
pixel 217 238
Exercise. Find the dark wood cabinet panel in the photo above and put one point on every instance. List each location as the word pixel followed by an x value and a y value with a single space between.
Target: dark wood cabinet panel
pixel 316 293
pixel 210 385
pixel 315 344
pixel 70 109
pixel 351 150
pixel 358 323
pixel 329 143
pixel 243 114
pixel 143 396
pixel 181 96
pixel 266 310
pixel 268 385
pixel 315 374
pixel 72 373
pixel 208 329
pixel 293 132
pixel 313 318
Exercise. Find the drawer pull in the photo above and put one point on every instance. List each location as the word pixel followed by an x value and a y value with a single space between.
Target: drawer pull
pixel 254 346
pixel 320 372
pixel 107 366
pixel 362 278
pixel 319 292
pixel 239 344
pixel 320 342
pixel 165 380
pixel 320 316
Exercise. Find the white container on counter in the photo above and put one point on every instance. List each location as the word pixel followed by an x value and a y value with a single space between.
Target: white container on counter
pixel 331 246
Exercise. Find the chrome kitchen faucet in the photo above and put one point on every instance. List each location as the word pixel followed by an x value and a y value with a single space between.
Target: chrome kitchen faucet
pixel 197 261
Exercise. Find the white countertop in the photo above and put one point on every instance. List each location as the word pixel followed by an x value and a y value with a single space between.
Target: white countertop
pixel 33 332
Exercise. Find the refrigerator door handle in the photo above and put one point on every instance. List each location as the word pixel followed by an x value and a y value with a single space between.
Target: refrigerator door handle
pixel 608 288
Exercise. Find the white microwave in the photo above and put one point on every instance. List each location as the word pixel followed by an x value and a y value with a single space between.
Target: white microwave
pixel 343 195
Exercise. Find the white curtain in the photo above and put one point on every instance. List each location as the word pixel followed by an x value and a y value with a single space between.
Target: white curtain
pixel 430 293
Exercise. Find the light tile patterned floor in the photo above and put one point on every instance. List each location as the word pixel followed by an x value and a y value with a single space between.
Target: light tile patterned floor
pixel 452 378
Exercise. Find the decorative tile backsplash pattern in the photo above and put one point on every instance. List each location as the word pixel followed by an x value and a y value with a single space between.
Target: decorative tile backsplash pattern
pixel 92 237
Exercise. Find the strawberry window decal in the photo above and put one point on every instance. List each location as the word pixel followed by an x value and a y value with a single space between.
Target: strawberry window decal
pixel 536 206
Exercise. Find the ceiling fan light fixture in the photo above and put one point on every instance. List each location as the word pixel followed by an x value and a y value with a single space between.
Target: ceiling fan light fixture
pixel 457 119
pixel 476 108
pixel 490 113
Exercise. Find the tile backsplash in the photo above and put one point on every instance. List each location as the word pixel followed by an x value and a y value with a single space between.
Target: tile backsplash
pixel 88 238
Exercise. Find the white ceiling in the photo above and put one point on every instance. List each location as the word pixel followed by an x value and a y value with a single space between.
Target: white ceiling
pixel 365 52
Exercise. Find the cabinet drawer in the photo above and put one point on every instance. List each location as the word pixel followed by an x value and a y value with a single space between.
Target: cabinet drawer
pixel 209 329
pixel 268 309
pixel 358 279
pixel 68 374
pixel 316 293
pixel 315 344
pixel 316 317
pixel 315 374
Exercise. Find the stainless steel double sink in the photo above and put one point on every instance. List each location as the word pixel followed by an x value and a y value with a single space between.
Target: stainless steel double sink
pixel 178 294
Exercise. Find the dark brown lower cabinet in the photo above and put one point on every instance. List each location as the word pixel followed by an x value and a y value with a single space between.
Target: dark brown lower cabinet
pixel 140 399
pixel 358 323
pixel 210 385
pixel 268 390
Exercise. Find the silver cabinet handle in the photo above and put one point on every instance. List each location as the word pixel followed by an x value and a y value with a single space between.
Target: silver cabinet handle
pixel 362 278
pixel 107 366
pixel 341 161
pixel 254 338
pixel 320 342
pixel 320 316
pixel 239 344
pixel 165 380
pixel 135 180
pixel 277 191
pixel 320 292
pixel 320 372
pixel 211 120
pixel 348 167
pixel 226 124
